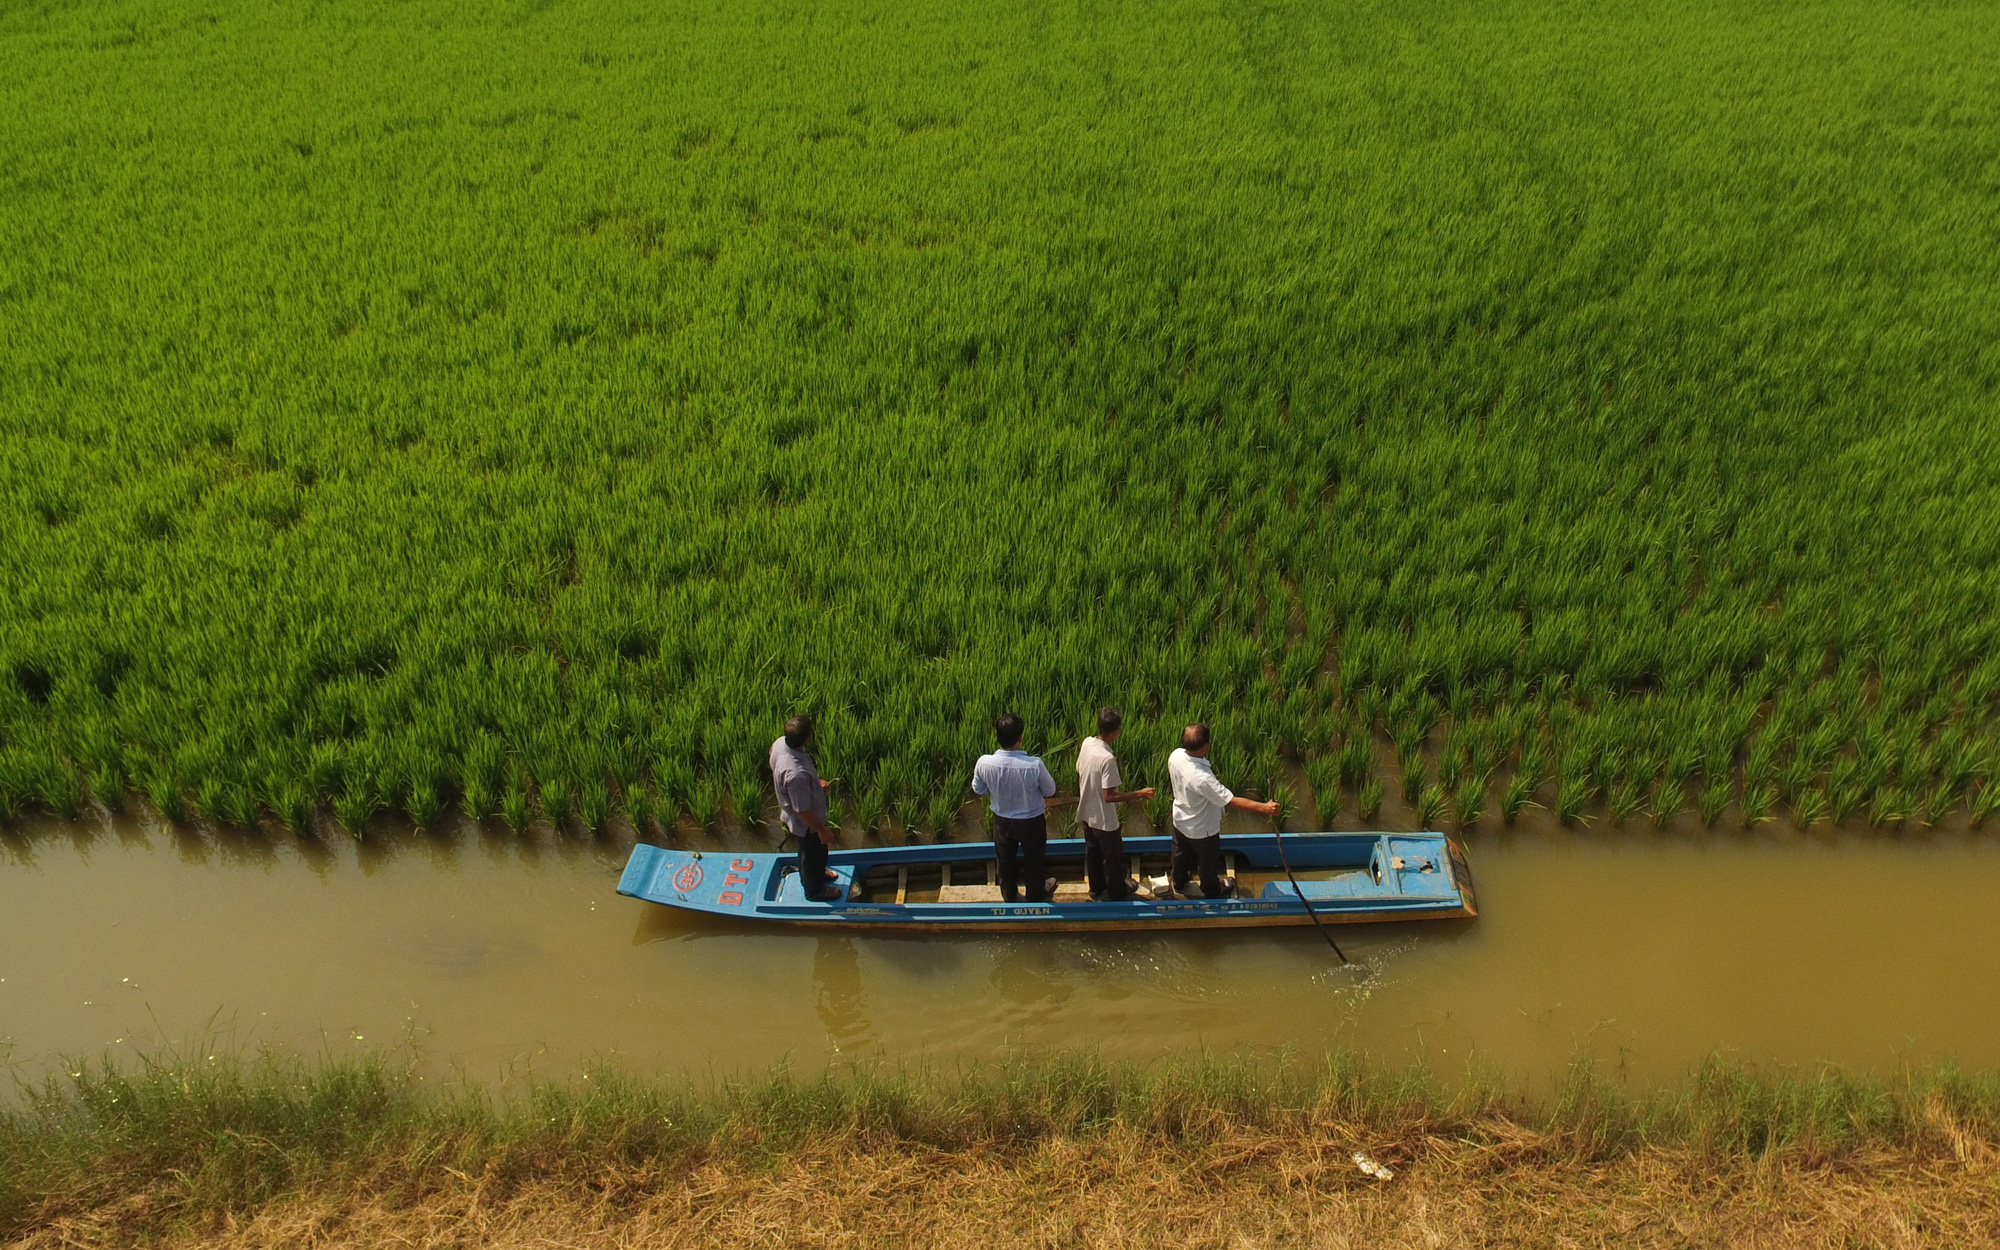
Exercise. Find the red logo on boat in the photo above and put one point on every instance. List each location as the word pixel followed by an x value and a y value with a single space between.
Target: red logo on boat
pixel 687 878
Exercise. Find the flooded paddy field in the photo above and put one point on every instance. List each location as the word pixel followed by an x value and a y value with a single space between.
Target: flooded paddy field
pixel 500 959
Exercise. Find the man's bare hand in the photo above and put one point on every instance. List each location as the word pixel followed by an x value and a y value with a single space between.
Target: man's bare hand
pixel 1269 809
pixel 1146 793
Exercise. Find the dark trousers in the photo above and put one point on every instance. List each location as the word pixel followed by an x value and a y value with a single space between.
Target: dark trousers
pixel 1198 854
pixel 812 865
pixel 1104 864
pixel 1028 839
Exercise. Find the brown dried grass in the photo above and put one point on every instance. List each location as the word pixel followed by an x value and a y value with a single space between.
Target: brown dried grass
pixel 1516 1187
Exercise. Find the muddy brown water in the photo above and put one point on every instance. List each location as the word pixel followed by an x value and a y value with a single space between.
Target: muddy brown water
pixel 499 959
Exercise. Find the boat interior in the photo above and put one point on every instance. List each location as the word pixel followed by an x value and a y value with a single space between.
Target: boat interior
pixel 967 880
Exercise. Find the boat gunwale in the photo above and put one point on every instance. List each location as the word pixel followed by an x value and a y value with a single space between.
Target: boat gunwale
pixel 995 916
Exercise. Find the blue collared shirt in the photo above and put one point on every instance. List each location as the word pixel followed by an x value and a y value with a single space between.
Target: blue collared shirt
pixel 1017 784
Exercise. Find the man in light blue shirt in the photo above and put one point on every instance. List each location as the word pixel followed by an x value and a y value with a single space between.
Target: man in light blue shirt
pixel 1018 786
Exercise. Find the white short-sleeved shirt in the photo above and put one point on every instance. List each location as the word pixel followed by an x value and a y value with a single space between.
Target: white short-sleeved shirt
pixel 1199 796
pixel 1096 772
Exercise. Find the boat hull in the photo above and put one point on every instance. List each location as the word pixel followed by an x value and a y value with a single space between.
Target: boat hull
pixel 1346 879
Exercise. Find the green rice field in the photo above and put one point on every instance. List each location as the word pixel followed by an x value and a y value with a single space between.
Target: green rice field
pixel 519 408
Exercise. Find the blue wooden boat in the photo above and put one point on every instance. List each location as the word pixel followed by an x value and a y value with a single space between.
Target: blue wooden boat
pixel 1347 877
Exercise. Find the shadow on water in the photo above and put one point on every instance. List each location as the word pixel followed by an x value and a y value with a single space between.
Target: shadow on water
pixel 836 975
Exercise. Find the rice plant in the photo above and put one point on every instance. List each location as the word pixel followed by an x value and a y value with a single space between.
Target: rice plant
pixel 1322 778
pixel 943 810
pixel 1624 800
pixel 1573 795
pixel 1413 770
pixel 514 808
pixel 423 804
pixel 354 807
pixel 1369 799
pixel 1713 799
pixel 1431 807
pixel 1934 802
pixel 1667 801
pixel 705 802
pixel 1357 761
pixel 1985 803
pixel 556 805
pixel 1888 806
pixel 1759 797
pixel 639 808
pixel 107 786
pixel 1810 807
pixel 475 799
pixel 593 808
pixel 1516 796
pixel 1469 801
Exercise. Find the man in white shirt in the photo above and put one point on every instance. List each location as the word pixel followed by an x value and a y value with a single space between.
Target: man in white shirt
pixel 1098 796
pixel 1199 800
pixel 1018 786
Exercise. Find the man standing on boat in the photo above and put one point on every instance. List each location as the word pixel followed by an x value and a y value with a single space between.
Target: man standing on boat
pixel 1097 799
pixel 1018 786
pixel 1199 800
pixel 802 806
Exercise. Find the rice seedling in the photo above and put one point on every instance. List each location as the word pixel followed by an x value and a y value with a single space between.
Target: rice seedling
pixel 1810 807
pixel 292 807
pixel 1357 761
pixel 943 811
pixel 1573 795
pixel 1431 807
pixel 1888 806
pixel 475 799
pixel 107 786
pixel 1759 797
pixel 1322 780
pixel 556 805
pixel 354 807
pixel 1666 802
pixel 422 805
pixel 167 795
pixel 639 808
pixel 1369 799
pixel 1288 805
pixel 1516 796
pixel 1713 799
pixel 514 808
pixel 1412 768
pixel 1985 803
pixel 212 801
pixel 593 808
pixel 705 803
pixel 1469 801
pixel 1624 800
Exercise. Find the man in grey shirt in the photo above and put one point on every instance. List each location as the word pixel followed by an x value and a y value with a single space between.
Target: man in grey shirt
pixel 802 806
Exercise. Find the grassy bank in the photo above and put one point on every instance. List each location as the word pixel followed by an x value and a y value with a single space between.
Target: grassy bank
pixel 520 407
pixel 1070 1152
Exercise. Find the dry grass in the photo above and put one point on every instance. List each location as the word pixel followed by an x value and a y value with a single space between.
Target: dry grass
pixel 1243 1190
pixel 1077 1156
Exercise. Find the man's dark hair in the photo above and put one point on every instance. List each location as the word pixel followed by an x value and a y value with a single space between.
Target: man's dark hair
pixel 1194 737
pixel 798 730
pixel 1108 721
pixel 1008 729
